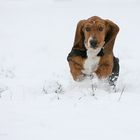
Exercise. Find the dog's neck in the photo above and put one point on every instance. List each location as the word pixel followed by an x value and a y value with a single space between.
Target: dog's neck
pixel 94 53
pixel 83 53
pixel 91 63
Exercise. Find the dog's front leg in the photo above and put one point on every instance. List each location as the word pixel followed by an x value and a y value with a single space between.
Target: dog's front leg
pixel 104 71
pixel 76 66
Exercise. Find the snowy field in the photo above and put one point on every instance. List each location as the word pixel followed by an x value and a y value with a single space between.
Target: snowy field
pixel 39 99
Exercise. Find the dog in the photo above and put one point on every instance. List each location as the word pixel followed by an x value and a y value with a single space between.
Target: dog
pixel 92 51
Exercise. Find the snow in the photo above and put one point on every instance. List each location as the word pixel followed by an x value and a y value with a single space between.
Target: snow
pixel 39 99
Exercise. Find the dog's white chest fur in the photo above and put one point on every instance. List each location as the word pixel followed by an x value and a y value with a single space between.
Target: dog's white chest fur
pixel 92 62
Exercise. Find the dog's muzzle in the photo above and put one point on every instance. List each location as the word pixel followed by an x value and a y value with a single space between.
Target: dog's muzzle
pixel 93 43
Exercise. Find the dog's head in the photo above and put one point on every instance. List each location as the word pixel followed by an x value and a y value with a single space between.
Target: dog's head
pixel 94 33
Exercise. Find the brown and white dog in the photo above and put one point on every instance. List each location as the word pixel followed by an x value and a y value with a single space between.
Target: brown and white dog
pixel 92 52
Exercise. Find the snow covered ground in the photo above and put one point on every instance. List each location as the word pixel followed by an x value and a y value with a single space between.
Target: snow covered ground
pixel 39 99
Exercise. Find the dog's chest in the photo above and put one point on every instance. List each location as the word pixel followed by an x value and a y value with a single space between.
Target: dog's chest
pixel 91 64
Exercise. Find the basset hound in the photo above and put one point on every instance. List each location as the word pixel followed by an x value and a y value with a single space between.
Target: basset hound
pixel 92 51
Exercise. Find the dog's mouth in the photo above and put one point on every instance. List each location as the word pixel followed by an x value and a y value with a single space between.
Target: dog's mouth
pixel 95 46
pixel 98 45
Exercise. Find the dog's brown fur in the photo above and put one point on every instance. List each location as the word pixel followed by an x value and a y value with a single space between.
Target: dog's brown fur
pixel 106 36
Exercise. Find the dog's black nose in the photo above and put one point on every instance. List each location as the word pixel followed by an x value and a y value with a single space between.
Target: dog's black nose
pixel 93 43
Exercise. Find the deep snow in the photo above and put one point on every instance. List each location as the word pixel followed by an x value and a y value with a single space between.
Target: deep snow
pixel 39 99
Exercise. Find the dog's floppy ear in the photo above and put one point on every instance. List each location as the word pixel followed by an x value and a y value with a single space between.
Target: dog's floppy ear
pixel 79 35
pixel 112 31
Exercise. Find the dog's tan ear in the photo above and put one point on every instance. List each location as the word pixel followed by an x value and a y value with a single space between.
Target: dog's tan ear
pixel 79 35
pixel 112 31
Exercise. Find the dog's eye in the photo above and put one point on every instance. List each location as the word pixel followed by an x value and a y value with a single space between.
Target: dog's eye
pixel 87 29
pixel 100 28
